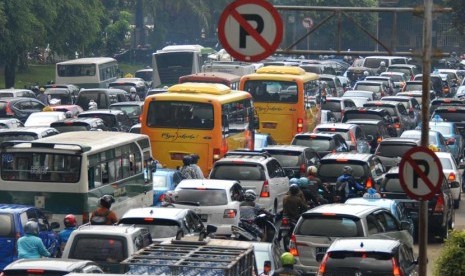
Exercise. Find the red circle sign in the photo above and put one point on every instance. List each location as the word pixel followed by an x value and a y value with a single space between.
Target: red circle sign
pixel 420 173
pixel 250 30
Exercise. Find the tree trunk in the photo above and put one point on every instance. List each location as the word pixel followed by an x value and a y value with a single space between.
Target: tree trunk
pixel 10 70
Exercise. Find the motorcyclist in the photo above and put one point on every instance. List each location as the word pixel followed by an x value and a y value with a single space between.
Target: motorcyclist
pixel 103 215
pixel 296 181
pixel 287 269
pixel 70 225
pixel 187 171
pixel 347 183
pixel 293 204
pixel 310 191
pixel 133 95
pixel 316 184
pixel 249 210
pixel 381 68
pixel 30 246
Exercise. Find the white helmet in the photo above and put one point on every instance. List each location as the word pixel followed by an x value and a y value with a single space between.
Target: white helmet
pixel 132 90
pixel 382 64
pixel 312 170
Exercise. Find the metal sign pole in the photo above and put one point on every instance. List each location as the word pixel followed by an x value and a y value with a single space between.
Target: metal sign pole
pixel 423 218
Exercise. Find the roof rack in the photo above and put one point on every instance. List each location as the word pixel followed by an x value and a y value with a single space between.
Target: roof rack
pixel 249 153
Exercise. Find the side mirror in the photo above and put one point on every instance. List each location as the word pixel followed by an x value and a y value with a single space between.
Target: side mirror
pixel 405 225
pixel 55 225
pixel 455 184
pixel 320 256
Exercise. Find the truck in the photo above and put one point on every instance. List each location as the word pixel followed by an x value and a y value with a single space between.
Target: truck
pixel 194 257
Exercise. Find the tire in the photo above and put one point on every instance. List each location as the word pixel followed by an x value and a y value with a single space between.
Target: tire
pixel 444 233
pixel 457 202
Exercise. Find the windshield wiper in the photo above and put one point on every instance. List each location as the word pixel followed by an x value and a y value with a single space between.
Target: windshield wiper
pixel 187 203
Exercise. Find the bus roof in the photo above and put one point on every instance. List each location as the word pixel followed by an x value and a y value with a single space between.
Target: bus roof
pixel 200 87
pixel 179 48
pixel 281 73
pixel 200 92
pixel 94 60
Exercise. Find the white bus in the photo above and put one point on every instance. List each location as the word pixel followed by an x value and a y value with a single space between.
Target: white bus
pixel 174 61
pixel 67 173
pixel 95 72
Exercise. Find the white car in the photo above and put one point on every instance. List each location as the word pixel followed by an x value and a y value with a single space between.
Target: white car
pixel 215 201
pixel 451 172
pixel 44 118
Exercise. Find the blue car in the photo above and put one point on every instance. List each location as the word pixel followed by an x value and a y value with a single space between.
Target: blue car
pixel 12 219
pixel 163 181
pixel 436 140
pixel 452 135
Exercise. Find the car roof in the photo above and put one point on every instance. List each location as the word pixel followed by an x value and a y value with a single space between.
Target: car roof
pixel 120 230
pixel 402 65
pixel 393 98
pixel 286 148
pixel 397 140
pixel 319 134
pixel 102 111
pixel 365 122
pixel 139 103
pixel 336 125
pixel 79 119
pixel 37 130
pixel 380 202
pixel 156 213
pixel 357 210
pixel 206 184
pixel 383 103
pixel 364 245
pixel 14 208
pixel 348 156
pixel 368 82
pixel 49 264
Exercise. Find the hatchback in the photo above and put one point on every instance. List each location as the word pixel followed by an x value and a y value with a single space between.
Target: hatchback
pixel 368 256
pixel 353 134
pixel 320 226
pixel 61 95
pixel 378 87
pixel 387 81
pixel 50 267
pixel 294 159
pixel 435 103
pixel 411 104
pixel 322 143
pixel 436 83
pixel 371 114
pixel 115 120
pixel 19 108
pixel 338 106
pixel 334 84
pixel 398 78
pixel 127 83
pixel 451 114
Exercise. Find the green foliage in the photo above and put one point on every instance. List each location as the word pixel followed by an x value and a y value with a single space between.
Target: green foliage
pixel 452 259
pixel 458 20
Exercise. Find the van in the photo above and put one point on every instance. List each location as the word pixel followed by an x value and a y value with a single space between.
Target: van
pixel 104 97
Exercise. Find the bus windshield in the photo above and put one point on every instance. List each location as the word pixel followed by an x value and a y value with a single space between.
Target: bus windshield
pixel 175 114
pixel 171 66
pixel 272 91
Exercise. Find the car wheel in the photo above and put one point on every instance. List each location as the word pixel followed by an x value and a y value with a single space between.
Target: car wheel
pixel 444 233
pixel 457 202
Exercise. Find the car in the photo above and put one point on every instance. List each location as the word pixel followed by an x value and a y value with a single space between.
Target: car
pixel 50 266
pixel 391 150
pixel 377 114
pixel 322 143
pixel 115 120
pixel 412 86
pixel 441 214
pixel 409 70
pixel 375 131
pixel 61 95
pixel 44 118
pixel 217 202
pixel 374 62
pixel 327 116
pixel 451 133
pixel 436 83
pixel 258 171
pixel 338 106
pixel 269 254
pixel 449 85
pixel 12 92
pixel 163 180
pixel 452 73
pixel 13 217
pixel 19 107
pixel 132 109
pixel 317 228
pixel 370 95
pixel 367 169
pixel 10 123
pixel 378 87
pixel 451 171
pixel 335 85
pixel 398 78
pixel 164 223
pixel 353 134
pixel 387 81
pixel 104 97
pixel 451 114
pixel 368 256
pixel 411 105
pixel 294 159
pixel 26 133
pixel 126 84
pixel 417 94
pixel 435 103
pixel 436 140
pixel 400 116
pixel 79 124
pixel 357 73
pixel 106 245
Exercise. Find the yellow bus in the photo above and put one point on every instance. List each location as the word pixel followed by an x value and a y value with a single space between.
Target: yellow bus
pixel 283 98
pixel 204 118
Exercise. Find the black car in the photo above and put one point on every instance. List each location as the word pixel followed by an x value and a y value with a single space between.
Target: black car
pixel 391 150
pixel 132 109
pixel 398 112
pixel 322 143
pixel 115 120
pixel 441 213
pixel 364 113
pixel 295 159
pixel 375 131
pixel 79 124
pixel 19 107
pixel 66 93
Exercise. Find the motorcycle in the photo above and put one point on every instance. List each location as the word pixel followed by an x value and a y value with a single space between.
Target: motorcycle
pixel 260 229
pixel 285 231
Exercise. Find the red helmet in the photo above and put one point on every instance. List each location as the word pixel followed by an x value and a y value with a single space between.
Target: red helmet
pixel 69 221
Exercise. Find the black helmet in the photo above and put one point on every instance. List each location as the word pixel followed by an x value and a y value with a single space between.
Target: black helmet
pixel 187 160
pixel 250 195
pixel 347 170
pixel 31 228
pixel 294 189
pixel 195 158
pixel 106 201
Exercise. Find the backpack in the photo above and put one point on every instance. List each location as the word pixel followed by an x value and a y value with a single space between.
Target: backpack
pixel 177 177
pixel 98 219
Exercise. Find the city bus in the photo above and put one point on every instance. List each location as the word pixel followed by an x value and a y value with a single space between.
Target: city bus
pixel 67 173
pixel 95 72
pixel 174 61
pixel 283 98
pixel 227 79
pixel 203 118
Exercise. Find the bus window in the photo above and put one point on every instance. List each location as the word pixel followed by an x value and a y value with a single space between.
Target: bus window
pixel 181 115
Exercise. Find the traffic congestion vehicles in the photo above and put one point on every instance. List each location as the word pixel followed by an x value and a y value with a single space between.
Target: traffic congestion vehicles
pixel 202 118
pixel 67 173
pixel 282 100
pixel 87 72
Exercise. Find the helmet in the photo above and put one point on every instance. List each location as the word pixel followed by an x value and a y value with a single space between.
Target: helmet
pixel 347 170
pixel 42 89
pixel 132 90
pixel 382 64
pixel 69 221
pixel 303 182
pixel 294 189
pixel 195 158
pixel 187 160
pixel 287 259
pixel 250 195
pixel 92 104
pixel 312 170
pixel 106 201
pixel 366 73
pixel 293 181
pixel 31 228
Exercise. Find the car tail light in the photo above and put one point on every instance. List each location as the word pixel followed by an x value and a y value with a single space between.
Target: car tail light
pixel 216 154
pixel 321 270
pixel 284 221
pixel 35 271
pixel 451 177
pixel 369 183
pixel 8 110
pixel 265 189
pixel 302 169
pixel 230 213
pixel 300 125
pixel 439 208
pixel 293 246
pixel 395 268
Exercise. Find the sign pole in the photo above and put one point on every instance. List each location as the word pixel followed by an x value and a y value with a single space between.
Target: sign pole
pixel 423 212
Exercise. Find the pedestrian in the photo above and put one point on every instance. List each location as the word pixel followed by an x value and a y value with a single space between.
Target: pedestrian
pixel 43 97
pixel 103 215
pixel 30 246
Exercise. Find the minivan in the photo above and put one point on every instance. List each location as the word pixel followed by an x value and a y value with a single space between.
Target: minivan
pixel 104 97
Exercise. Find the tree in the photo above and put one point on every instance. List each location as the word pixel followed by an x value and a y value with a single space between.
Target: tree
pixel 115 32
pixel 458 8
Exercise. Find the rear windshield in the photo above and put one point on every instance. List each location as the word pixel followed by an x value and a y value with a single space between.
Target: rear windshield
pixel 287 158
pixel 375 62
pixel 393 150
pixel 316 144
pixel 354 262
pixel 392 185
pixel 238 172
pixel 25 272
pixel 131 110
pixel 99 248
pixel 450 116
pixel 335 169
pixel 6 95
pixel 413 87
pixel 108 119
pixel 391 110
pixel 370 129
pixel 201 197
pixel 332 106
pixel 368 87
pixel 330 226
pixel 446 163
pixel 361 115
pixel 6 225
pixel 158 228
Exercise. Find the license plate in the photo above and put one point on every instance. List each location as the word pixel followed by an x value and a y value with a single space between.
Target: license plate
pixel 204 217
pixel 177 156
pixel 320 250
pixel 269 125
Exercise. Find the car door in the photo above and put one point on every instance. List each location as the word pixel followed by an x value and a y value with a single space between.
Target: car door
pixel 391 227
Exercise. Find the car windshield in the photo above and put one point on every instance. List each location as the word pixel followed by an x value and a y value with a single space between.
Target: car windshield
pixel 201 196
pixel 335 169
pixel 446 163
pixel 130 110
pixel 158 228
pixel 329 226
pixel 316 144
pixel 393 150
pixel 334 106
pixel 287 158
pixel 233 171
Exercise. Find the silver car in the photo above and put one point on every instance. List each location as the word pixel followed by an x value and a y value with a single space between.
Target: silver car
pixel 451 172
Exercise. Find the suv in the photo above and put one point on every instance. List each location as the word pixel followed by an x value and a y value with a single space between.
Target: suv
pixel 79 124
pixel 258 171
pixel 400 116
pixel 318 227
pixel 322 143
pixel 386 80
pixel 353 134
pixel 115 120
pixel 294 159
pixel 378 87
pixel 441 214
pixel 338 106
pixel 375 131
pixel 371 114
pixel 367 168
pixel 107 245
pixel 368 255
pixel 13 217
pixel 444 102
pixel 410 103
pixel 391 150
pixel 12 92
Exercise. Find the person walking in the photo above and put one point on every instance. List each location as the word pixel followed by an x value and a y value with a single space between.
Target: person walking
pixel 43 97
pixel 30 246
pixel 103 215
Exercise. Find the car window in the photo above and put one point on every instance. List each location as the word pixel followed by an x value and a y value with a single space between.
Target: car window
pixel 373 224
pixel 201 197
pixel 359 134
pixel 316 144
pixel 159 228
pixel 7 225
pixel 275 169
pixel 334 106
pixel 393 150
pixel 329 226
pixel 231 171
pixel 387 221
pixel 402 109
pixel 287 158
pixel 392 185
pixel 99 249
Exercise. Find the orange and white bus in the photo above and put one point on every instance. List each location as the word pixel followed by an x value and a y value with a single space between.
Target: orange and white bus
pixel 283 100
pixel 203 118
pixel 227 79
